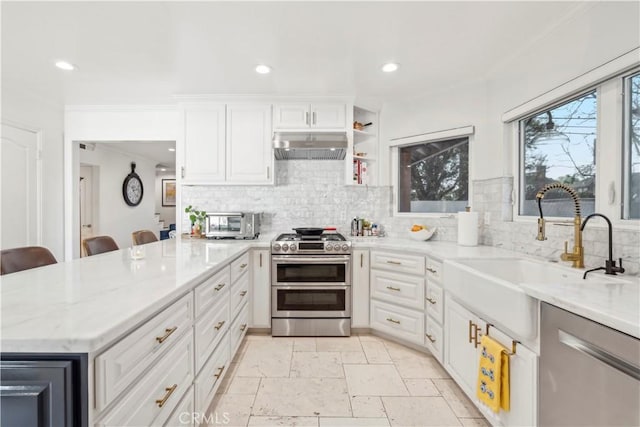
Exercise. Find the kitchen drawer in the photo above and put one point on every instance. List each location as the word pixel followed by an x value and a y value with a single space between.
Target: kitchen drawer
pixel 239 295
pixel 151 400
pixel 118 367
pixel 209 330
pixel 396 288
pixel 239 267
pixel 398 321
pixel 182 415
pixel 212 290
pixel 435 301
pixel 211 376
pixel 238 329
pixel 434 270
pixel 433 338
pixel 399 263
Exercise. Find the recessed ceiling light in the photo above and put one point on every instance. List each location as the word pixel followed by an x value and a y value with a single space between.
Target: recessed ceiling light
pixel 64 65
pixel 163 169
pixel 390 67
pixel 172 149
pixel 263 69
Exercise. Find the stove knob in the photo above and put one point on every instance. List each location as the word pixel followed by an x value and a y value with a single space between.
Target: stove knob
pixel 276 247
pixel 293 247
pixel 345 247
pixel 285 247
pixel 328 247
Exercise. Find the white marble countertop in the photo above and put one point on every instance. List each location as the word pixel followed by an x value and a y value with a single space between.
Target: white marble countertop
pixel 84 305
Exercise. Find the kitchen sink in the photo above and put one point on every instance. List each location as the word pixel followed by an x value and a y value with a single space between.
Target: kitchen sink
pixel 490 287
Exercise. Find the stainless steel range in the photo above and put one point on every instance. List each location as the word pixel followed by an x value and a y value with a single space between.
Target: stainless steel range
pixel 311 285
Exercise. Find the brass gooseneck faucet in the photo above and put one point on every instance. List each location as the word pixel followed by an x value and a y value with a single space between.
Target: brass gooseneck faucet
pixel 577 255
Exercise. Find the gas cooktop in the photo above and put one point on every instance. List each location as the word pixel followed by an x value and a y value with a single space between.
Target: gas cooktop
pixel 324 244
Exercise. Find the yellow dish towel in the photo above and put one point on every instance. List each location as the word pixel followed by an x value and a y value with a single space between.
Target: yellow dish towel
pixel 493 374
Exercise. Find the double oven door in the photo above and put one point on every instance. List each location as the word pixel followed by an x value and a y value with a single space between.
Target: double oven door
pixel 311 286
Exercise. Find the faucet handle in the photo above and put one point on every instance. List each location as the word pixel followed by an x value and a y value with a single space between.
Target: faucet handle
pixel 620 269
pixel 566 246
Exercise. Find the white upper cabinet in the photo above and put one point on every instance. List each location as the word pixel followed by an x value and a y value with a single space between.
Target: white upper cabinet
pixel 249 152
pixel 204 143
pixel 309 116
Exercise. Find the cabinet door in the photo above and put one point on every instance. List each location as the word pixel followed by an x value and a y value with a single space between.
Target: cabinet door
pixel 260 289
pixel 328 116
pixel 360 289
pixel 204 143
pixel 291 116
pixel 249 153
pixel 461 355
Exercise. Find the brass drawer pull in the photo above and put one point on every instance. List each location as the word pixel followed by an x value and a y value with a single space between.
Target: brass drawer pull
pixel 220 286
pixel 220 371
pixel 243 326
pixel 220 324
pixel 243 265
pixel 394 262
pixel 471 325
pixel 431 270
pixel 389 319
pixel 473 334
pixel 243 293
pixel 432 301
pixel 391 288
pixel 430 338
pixel 167 334
pixel 169 392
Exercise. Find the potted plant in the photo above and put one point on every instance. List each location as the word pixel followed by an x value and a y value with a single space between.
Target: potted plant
pixel 197 219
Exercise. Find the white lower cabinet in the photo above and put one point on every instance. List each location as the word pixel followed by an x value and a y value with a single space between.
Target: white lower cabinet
pixel 463 329
pixel 238 328
pixel 398 321
pixel 210 329
pixel 360 289
pixel 434 338
pixel 260 289
pixel 183 415
pixel 211 375
pixel 151 400
pixel 401 289
pixel 239 295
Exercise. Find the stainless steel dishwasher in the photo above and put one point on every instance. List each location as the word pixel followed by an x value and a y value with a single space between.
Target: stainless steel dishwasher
pixel 589 374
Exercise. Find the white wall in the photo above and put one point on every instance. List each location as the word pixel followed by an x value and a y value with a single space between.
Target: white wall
pixel 115 217
pixel 167 214
pixel 48 119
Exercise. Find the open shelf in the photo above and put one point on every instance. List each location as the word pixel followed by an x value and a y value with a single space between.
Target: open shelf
pixel 364 168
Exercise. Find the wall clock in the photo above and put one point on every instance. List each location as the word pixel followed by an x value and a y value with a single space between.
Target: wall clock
pixel 132 189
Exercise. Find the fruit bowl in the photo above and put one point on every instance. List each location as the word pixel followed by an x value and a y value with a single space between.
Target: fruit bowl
pixel 422 235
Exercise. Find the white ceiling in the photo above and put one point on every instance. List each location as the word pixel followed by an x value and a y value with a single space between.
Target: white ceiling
pixel 145 52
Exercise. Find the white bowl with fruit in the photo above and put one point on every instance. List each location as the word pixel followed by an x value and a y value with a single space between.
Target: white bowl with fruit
pixel 421 232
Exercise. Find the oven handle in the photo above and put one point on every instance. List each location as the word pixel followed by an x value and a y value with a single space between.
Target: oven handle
pixel 311 260
pixel 311 288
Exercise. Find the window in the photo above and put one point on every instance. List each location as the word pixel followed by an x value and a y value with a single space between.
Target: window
pixel 632 148
pixel 434 176
pixel 559 146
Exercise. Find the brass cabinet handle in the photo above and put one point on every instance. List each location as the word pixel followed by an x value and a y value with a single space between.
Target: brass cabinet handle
pixel 260 260
pixel 243 293
pixel 306 117
pixel 243 326
pixel 431 270
pixel 473 334
pixel 432 301
pixel 167 333
pixel 471 325
pixel 430 338
pixel 220 371
pixel 314 117
pixel 391 288
pixel 220 324
pixel 394 262
pixel 220 286
pixel 169 392
pixel 243 265
pixel 361 260
pixel 389 319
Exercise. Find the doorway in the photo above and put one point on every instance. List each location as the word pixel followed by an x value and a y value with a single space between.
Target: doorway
pixel 89 208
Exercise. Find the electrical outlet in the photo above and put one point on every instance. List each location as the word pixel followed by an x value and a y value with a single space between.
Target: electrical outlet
pixel 487 218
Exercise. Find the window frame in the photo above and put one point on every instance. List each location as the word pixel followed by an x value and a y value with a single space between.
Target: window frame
pixel 610 147
pixel 443 135
pixel 626 146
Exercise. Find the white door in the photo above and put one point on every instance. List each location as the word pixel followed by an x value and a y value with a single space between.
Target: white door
pixel 86 204
pixel 328 116
pixel 249 153
pixel 360 289
pixel 291 116
pixel 20 187
pixel 204 144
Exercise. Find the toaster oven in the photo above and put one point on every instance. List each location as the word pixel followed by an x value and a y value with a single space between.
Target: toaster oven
pixel 236 225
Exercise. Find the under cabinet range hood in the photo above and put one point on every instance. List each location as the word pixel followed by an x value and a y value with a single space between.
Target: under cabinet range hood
pixel 310 145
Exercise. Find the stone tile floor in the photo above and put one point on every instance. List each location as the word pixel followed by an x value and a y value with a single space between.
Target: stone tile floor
pixel 356 381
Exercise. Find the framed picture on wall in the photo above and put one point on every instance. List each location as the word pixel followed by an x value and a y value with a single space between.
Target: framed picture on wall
pixel 168 192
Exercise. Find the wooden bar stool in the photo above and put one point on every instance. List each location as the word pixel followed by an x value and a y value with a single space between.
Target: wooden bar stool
pixel 18 259
pixel 141 237
pixel 99 244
